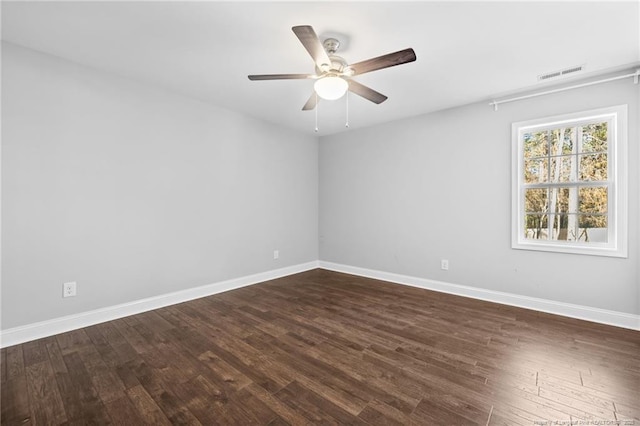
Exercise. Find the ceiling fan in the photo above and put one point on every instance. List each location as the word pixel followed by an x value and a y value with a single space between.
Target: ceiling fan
pixel 333 74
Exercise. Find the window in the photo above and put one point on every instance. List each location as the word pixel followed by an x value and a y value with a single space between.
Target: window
pixel 569 183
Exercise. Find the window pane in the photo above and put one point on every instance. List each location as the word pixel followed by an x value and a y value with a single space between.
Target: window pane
pixel 593 200
pixel 535 144
pixel 563 206
pixel 564 227
pixel 593 167
pixel 594 137
pixel 593 228
pixel 562 140
pixel 536 171
pixel 563 200
pixel 536 226
pixel 535 200
pixel 563 168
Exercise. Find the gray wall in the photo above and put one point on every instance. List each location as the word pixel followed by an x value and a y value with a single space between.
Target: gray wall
pixel 400 196
pixel 134 192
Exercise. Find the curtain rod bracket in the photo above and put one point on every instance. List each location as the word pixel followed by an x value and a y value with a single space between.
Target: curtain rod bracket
pixel 636 75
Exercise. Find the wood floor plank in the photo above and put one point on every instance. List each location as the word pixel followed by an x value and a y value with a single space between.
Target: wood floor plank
pixel 123 350
pixel 73 341
pixel 278 421
pixel 44 396
pixel 104 378
pixel 15 361
pixel 146 406
pixel 595 397
pixel 251 362
pixel 406 392
pixel 314 407
pixel 254 408
pixel 225 371
pixel 321 347
pixel 430 412
pixel 131 335
pixel 627 411
pixel 159 387
pixel 211 405
pixel 81 400
pixel 535 407
pixel 55 355
pixel 35 352
pixel 503 418
pixel 3 365
pixel 122 412
pixel 576 408
pixel 284 411
pixel 379 413
pixel 195 401
pixel 14 402
pixel 103 346
pixel 317 376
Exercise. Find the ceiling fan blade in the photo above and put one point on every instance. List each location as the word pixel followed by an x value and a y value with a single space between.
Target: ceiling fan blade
pixel 311 103
pixel 366 92
pixel 280 76
pixel 312 43
pixel 385 61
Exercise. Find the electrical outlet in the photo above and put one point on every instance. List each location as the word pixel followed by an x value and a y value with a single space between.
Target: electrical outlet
pixel 69 289
pixel 444 264
pixel 276 254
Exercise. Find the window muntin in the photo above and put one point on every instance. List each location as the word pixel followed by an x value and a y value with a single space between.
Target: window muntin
pixel 569 183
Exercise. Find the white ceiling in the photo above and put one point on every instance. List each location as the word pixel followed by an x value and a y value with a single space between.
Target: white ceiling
pixel 467 51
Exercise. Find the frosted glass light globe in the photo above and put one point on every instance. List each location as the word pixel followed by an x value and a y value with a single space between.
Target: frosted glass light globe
pixel 331 87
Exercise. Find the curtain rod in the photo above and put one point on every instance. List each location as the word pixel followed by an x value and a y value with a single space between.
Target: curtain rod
pixel 635 76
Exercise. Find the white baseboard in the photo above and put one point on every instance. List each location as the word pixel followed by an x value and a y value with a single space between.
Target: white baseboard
pixel 17 335
pixel 603 316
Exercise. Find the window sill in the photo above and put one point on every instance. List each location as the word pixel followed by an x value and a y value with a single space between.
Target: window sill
pixel 571 248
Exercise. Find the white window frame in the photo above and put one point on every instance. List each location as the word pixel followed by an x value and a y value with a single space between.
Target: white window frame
pixel 616 246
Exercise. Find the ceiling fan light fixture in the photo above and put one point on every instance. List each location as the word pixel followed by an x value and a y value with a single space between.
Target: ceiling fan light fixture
pixel 331 87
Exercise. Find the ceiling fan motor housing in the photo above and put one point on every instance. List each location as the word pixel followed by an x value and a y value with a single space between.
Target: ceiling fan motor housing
pixel 337 65
pixel 331 45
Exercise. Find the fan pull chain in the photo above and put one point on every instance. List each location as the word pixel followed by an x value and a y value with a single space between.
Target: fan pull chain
pixel 347 122
pixel 317 106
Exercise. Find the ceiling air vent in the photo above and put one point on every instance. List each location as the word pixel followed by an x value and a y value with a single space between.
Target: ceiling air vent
pixel 561 73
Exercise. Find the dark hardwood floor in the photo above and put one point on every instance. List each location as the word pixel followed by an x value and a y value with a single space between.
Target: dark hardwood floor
pixel 328 348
